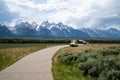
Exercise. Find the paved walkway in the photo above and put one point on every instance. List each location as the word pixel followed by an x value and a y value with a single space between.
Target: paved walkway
pixel 36 66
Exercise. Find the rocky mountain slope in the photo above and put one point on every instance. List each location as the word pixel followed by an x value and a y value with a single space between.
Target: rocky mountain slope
pixel 46 29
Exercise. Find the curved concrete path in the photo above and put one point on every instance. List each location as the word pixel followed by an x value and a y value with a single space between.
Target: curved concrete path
pixel 36 66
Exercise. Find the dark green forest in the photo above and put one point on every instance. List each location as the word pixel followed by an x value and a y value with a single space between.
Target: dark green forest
pixel 55 40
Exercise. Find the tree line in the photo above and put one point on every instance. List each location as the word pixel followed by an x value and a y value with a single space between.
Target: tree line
pixel 54 40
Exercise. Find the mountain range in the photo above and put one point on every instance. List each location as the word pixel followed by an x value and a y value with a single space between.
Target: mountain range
pixel 53 30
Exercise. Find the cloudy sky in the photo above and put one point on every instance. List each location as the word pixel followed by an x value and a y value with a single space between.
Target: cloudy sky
pixel 75 13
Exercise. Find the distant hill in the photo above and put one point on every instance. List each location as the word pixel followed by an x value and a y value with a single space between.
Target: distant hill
pixel 5 32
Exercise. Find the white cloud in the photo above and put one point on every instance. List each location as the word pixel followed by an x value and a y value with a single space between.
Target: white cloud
pixel 77 13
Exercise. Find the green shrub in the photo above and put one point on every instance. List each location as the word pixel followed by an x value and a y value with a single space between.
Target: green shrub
pixel 113 75
pixel 88 50
pixel 110 51
pixel 100 65
pixel 68 58
pixel 109 75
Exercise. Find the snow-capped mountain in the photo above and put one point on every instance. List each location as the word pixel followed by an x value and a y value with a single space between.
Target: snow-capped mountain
pixel 98 33
pixel 25 29
pixel 46 29
pixel 34 25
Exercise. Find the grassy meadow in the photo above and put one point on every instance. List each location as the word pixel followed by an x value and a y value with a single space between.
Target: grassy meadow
pixel 10 53
pixel 87 62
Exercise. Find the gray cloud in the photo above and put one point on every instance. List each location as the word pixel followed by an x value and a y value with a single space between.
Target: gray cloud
pixel 76 13
pixel 99 15
pixel 5 15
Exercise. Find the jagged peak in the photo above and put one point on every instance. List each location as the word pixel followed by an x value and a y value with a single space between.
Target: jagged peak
pixel 60 23
pixel 45 24
pixel 23 24
pixel 34 24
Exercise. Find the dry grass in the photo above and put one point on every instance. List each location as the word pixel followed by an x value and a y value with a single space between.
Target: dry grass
pixel 11 55
pixel 81 48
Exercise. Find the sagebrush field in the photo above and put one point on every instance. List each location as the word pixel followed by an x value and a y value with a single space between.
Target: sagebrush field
pixel 87 62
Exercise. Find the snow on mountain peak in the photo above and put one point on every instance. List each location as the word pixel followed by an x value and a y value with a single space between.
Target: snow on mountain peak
pixel 45 23
pixel 34 24
pixel 47 29
pixel 23 24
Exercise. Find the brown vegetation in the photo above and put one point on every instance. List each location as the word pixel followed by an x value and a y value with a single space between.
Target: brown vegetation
pixel 84 47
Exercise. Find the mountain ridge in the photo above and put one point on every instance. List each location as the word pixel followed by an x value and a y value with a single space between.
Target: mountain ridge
pixel 46 29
